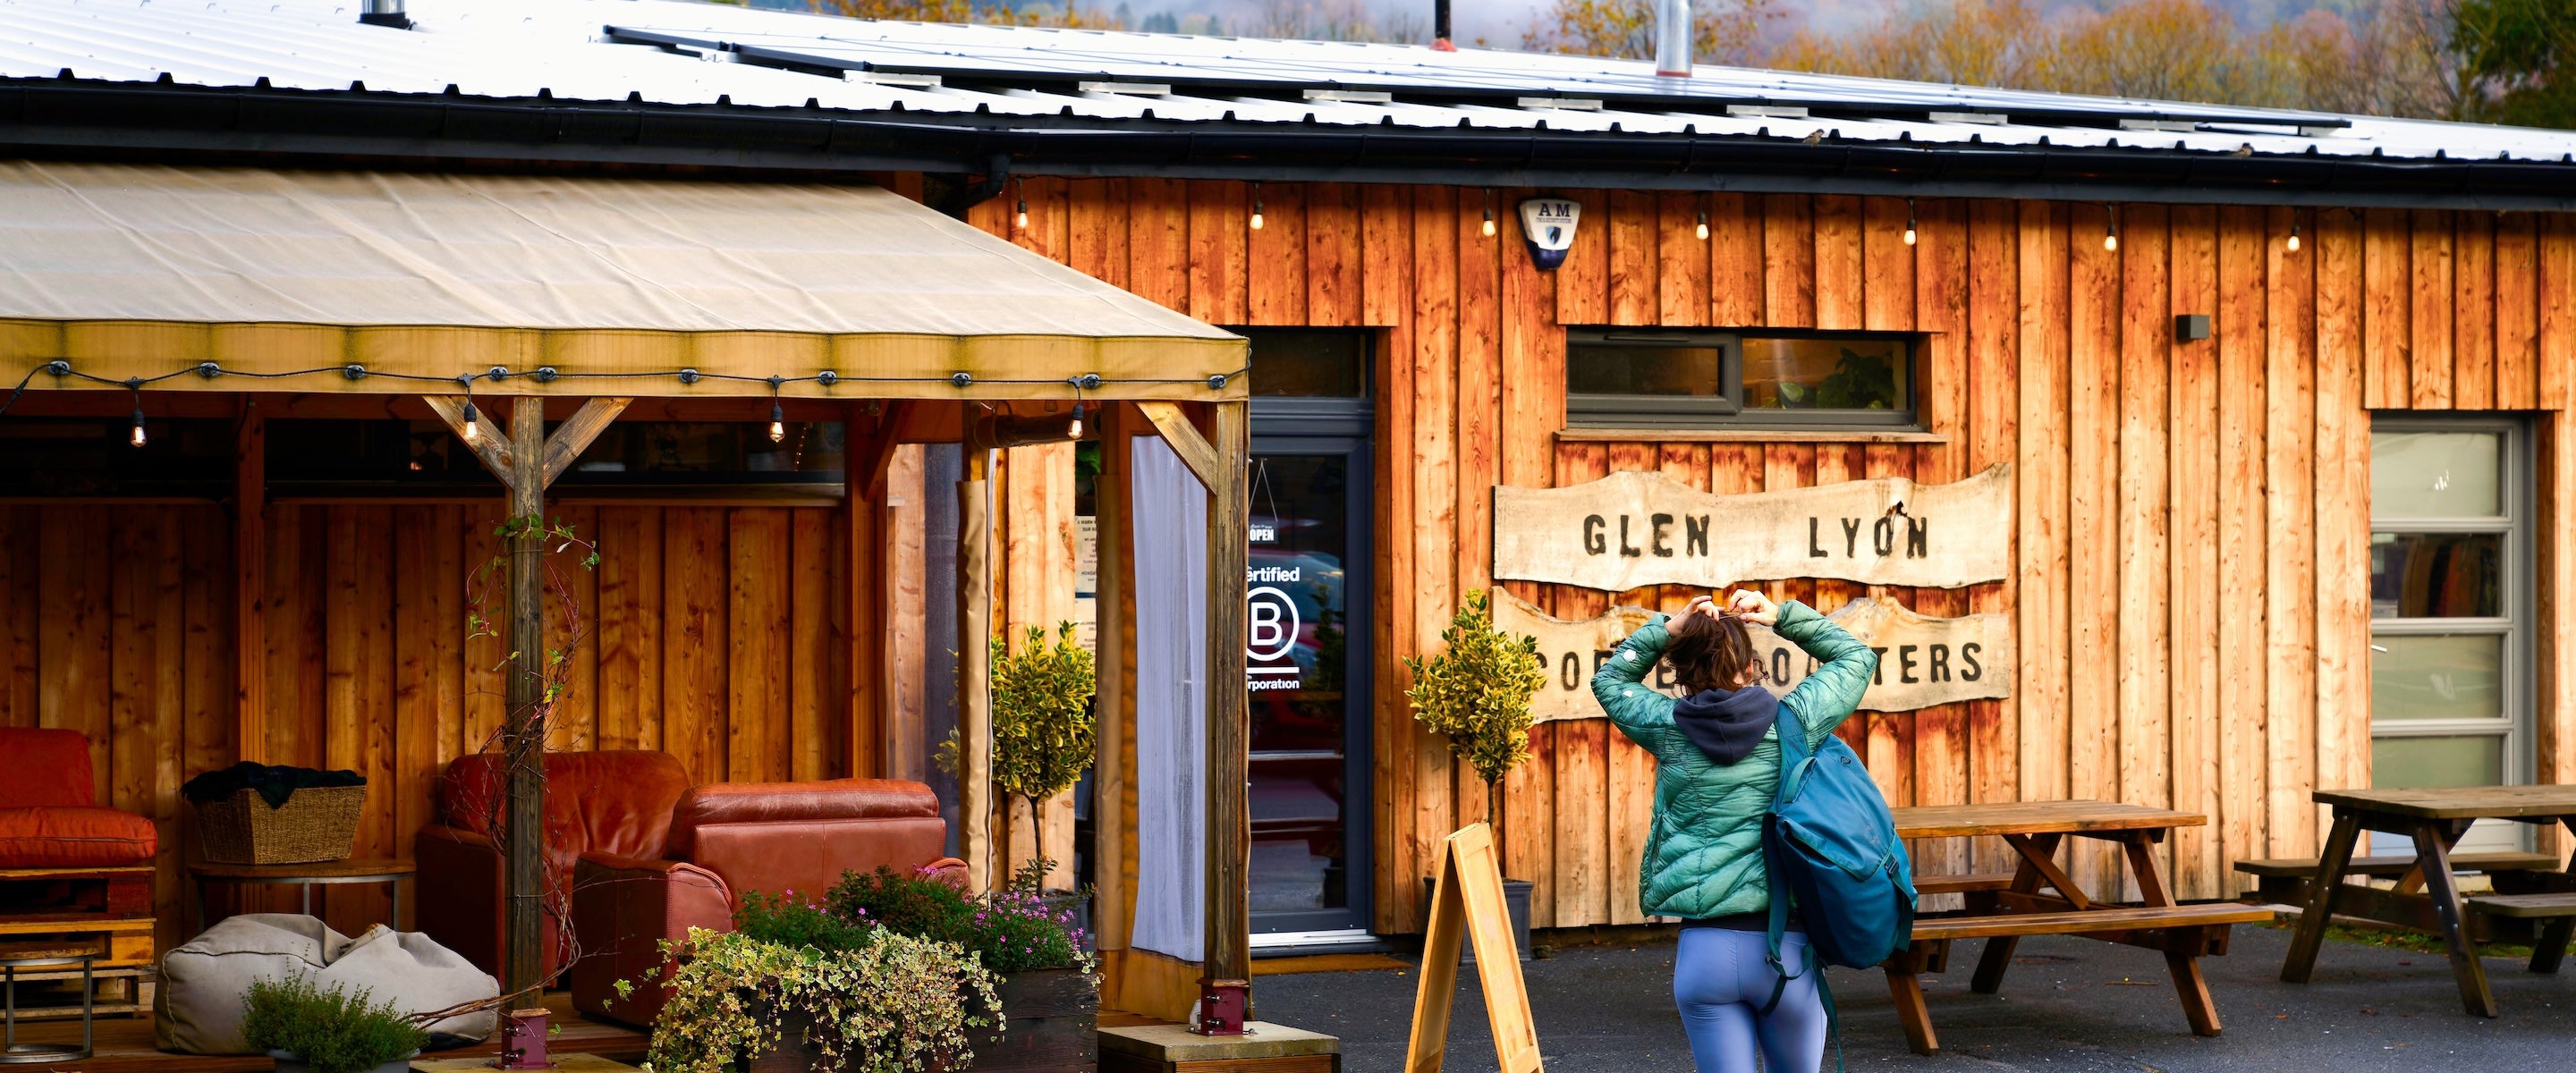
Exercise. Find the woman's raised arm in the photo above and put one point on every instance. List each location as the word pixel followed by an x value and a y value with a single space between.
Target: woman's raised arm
pixel 1830 694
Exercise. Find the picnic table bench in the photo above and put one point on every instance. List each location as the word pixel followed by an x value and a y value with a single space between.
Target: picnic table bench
pixel 2004 906
pixel 2436 819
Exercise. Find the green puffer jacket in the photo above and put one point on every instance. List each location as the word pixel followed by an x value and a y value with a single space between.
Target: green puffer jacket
pixel 1704 856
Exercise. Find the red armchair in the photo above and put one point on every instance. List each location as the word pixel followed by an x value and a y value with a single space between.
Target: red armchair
pixel 49 814
pixel 726 839
pixel 608 802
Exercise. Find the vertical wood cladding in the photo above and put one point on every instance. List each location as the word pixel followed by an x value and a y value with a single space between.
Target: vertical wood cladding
pixel 2192 535
pixel 120 624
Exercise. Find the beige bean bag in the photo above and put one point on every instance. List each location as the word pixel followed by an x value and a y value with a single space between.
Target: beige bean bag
pixel 199 1008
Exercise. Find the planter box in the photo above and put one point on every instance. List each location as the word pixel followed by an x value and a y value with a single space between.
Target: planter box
pixel 1051 1023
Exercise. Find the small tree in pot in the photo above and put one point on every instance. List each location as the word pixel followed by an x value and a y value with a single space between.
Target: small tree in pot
pixel 1045 734
pixel 1476 693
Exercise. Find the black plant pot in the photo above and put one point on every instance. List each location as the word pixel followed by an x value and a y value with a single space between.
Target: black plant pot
pixel 1516 901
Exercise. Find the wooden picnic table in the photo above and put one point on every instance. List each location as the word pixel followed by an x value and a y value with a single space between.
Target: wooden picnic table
pixel 2003 907
pixel 2435 819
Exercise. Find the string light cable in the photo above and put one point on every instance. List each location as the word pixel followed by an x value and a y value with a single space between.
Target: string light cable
pixel 62 369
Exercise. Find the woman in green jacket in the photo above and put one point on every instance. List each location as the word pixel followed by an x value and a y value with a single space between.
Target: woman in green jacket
pixel 1717 765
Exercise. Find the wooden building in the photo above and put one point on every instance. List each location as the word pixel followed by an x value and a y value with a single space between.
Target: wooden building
pixel 2285 399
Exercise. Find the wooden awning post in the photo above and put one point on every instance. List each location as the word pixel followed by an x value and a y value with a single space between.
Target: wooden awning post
pixel 527 462
pixel 974 668
pixel 1221 460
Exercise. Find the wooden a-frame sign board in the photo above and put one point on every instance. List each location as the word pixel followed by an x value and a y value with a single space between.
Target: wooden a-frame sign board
pixel 1468 899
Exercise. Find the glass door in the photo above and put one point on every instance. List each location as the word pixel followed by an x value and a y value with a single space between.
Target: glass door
pixel 1306 638
pixel 2450 585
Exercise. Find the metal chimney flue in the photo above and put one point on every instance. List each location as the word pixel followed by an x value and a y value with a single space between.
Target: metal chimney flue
pixel 384 13
pixel 1440 27
pixel 1673 38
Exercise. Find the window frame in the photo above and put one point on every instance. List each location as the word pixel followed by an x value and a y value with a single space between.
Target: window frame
pixel 1726 409
pixel 2517 529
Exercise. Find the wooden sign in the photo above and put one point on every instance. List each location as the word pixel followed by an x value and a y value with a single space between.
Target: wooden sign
pixel 1467 903
pixel 1922 661
pixel 1629 530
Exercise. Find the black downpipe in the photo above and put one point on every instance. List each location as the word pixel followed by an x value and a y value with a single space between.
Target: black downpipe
pixel 1440 26
pixel 996 175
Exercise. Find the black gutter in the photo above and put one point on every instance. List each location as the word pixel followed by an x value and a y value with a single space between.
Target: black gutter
pixel 277 127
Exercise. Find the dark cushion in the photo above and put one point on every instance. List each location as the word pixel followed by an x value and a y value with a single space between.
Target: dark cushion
pixel 68 837
pixel 45 767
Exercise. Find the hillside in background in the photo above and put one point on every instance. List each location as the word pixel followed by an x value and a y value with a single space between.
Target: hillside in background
pixel 2504 61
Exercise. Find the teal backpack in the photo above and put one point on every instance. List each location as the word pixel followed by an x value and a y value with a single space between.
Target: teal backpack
pixel 1830 845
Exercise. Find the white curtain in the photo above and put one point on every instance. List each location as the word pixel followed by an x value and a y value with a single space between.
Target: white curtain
pixel 1171 701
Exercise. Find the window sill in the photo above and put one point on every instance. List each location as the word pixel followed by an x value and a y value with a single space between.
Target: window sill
pixel 1748 435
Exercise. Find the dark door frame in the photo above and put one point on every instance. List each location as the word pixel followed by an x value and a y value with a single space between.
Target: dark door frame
pixel 1317 426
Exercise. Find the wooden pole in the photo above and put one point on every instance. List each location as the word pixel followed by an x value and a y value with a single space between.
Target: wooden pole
pixel 526 461
pixel 250 583
pixel 974 668
pixel 523 742
pixel 1225 991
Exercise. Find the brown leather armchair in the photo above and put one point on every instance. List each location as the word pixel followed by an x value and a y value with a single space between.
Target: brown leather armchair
pixel 723 840
pixel 607 802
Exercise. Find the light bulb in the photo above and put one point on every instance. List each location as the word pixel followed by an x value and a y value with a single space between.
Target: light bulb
pixel 1021 221
pixel 1909 221
pixel 777 424
pixel 138 426
pixel 2110 241
pixel 1256 217
pixel 1489 223
pixel 1702 232
pixel 473 428
pixel 1909 235
pixel 2293 244
pixel 1074 429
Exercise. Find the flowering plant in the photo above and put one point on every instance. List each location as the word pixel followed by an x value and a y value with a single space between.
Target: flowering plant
pixel 1010 930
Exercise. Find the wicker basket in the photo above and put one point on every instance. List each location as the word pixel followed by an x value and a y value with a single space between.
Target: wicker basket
pixel 318 823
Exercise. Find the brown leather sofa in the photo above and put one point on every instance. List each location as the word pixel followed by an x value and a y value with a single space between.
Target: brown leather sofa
pixel 608 802
pixel 725 839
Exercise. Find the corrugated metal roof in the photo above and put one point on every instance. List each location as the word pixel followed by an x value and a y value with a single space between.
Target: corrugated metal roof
pixel 662 52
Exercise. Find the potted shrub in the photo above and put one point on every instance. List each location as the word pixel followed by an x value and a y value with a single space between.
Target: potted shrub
pixel 1476 693
pixel 309 1029
pixel 1045 734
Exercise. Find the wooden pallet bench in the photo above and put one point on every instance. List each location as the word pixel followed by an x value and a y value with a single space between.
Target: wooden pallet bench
pixel 2284 880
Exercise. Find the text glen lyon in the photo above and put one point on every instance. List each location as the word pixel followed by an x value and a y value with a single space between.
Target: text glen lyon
pixel 1630 530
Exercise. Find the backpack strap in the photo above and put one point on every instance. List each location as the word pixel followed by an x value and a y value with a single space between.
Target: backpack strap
pixel 1793 757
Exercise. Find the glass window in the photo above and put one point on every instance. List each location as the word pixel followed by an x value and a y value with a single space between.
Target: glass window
pixel 1826 374
pixel 1629 378
pixel 2449 606
pixel 186 457
pixel 1310 363
pixel 2436 575
pixel 2437 677
pixel 1672 369
pixel 2436 474
pixel 630 459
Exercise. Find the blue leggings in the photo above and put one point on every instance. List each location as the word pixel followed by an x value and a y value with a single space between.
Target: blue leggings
pixel 1721 977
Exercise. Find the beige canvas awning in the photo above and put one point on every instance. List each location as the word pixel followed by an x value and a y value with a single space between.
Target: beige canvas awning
pixel 128 271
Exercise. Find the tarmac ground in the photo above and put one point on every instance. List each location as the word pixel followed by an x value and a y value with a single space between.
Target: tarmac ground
pixel 2069 1004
